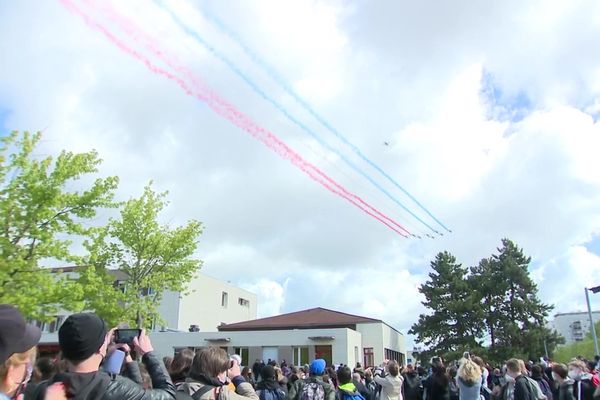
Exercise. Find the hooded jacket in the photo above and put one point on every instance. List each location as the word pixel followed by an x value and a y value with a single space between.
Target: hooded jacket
pixel 296 389
pixel 100 385
pixel 391 387
pixel 348 389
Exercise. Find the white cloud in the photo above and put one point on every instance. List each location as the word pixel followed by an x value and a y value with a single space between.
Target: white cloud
pixel 410 73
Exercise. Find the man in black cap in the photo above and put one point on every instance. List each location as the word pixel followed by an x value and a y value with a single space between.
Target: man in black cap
pixel 83 342
pixel 16 339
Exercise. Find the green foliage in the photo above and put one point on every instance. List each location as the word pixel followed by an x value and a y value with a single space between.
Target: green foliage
pixel 152 255
pixel 585 348
pixel 496 301
pixel 452 327
pixel 43 206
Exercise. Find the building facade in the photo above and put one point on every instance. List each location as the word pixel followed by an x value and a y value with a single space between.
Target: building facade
pixel 208 303
pixel 298 338
pixel 574 326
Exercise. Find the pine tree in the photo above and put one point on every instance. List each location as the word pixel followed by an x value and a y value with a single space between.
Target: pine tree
pixel 452 327
pixel 514 315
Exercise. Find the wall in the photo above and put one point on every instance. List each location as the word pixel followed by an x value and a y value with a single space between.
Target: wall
pixel 203 305
pixel 355 340
pixel 165 342
pixel 169 310
pixel 372 336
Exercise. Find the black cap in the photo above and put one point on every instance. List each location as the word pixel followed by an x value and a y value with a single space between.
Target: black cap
pixel 81 335
pixel 16 336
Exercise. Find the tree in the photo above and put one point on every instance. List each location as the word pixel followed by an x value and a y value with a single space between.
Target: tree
pixel 44 203
pixel 154 257
pixel 513 314
pixel 452 327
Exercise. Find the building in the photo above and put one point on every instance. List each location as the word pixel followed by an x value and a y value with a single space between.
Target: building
pixel 208 303
pixel 298 337
pixel 574 326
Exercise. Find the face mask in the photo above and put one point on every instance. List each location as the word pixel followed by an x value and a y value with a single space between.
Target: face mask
pixel 575 374
pixel 509 378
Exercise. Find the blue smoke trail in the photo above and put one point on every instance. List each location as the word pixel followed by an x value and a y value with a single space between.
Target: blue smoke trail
pixel 284 111
pixel 287 88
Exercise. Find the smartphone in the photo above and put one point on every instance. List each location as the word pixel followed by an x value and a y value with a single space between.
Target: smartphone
pixel 114 362
pixel 126 335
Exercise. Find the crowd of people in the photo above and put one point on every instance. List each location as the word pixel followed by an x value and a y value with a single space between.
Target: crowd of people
pixel 86 370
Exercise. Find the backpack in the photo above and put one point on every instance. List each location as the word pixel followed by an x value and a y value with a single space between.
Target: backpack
pixel 268 394
pixel 312 390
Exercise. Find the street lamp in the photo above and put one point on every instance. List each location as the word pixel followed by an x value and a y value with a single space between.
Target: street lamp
pixel 594 290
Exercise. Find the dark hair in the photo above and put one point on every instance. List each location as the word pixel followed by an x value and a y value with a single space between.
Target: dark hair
pixel 46 367
pixel 439 375
pixel 268 373
pixel 536 371
pixel 181 364
pixel 344 375
pixel 452 371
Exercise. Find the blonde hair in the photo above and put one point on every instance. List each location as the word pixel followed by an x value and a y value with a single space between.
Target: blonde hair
pixel 469 371
pixel 16 360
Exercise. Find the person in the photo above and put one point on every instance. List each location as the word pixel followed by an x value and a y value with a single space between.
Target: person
pixel 436 385
pixel 359 382
pixel 83 340
pixel 208 377
pixel 256 367
pixel 18 342
pixel 391 384
pixel 537 374
pixel 269 388
pixel 469 380
pixel 583 388
pixel 45 369
pixel 371 384
pixel 347 389
pixel 413 387
pixel 281 379
pixel 560 375
pixel 523 389
pixel 180 366
pixel 247 374
pixel 313 387
pixel 453 389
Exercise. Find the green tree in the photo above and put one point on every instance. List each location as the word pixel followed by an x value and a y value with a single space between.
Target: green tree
pixel 512 313
pixel 452 326
pixel 44 204
pixel 154 257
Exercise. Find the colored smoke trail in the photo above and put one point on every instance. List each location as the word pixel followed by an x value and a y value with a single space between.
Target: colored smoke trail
pixel 228 111
pixel 290 91
pixel 288 114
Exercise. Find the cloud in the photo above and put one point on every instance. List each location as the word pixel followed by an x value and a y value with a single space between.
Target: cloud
pixel 491 113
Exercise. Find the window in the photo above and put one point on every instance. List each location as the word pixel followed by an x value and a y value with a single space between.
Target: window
pixel 244 353
pixel 369 358
pixel 356 359
pixel 300 356
pixel 224 299
pixel 244 302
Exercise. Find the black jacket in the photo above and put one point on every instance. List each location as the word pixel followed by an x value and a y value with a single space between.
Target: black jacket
pixel 523 389
pixel 103 386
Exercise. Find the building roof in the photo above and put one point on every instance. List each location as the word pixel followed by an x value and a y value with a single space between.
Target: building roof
pixel 314 318
pixel 575 313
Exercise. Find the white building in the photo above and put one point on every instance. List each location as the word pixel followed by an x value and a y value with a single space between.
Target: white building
pixel 573 326
pixel 298 338
pixel 208 304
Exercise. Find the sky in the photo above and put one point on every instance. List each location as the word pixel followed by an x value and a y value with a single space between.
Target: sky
pixel 486 113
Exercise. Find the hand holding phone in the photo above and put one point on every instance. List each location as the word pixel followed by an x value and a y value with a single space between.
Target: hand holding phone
pixel 126 335
pixel 142 343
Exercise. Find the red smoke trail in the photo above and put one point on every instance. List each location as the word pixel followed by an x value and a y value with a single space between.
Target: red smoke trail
pixel 228 111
